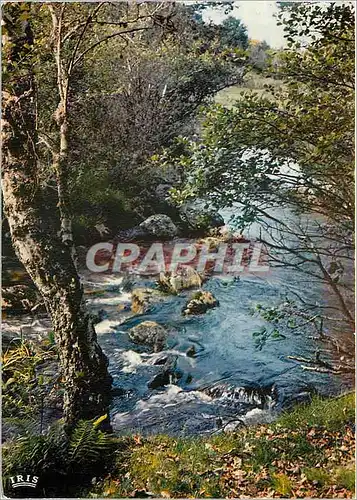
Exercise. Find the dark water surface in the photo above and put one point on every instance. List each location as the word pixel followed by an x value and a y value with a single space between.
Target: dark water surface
pixel 228 377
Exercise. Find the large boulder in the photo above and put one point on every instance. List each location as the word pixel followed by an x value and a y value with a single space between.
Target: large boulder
pixel 185 278
pixel 149 333
pixel 160 226
pixel 199 303
pixel 198 218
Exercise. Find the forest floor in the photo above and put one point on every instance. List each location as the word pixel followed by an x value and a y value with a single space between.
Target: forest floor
pixel 308 452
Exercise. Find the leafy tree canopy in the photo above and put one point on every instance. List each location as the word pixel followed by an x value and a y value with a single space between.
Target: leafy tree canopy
pixel 233 33
pixel 306 124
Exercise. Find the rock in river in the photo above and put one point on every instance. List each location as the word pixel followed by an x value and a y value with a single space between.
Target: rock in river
pixel 159 226
pixel 143 298
pixel 200 302
pixel 183 279
pixel 149 333
pixel 168 375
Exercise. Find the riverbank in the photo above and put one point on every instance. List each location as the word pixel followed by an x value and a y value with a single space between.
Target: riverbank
pixel 308 452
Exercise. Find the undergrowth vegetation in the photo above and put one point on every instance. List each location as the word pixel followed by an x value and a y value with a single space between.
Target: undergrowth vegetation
pixel 28 382
pixel 307 452
pixel 63 461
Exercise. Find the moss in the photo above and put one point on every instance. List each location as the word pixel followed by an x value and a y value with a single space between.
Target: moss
pixel 282 484
pixel 317 475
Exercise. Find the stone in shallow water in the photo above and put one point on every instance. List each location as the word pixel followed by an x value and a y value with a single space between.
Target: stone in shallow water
pixel 191 351
pixel 200 302
pixel 183 279
pixel 149 333
pixel 168 375
pixel 160 380
pixel 162 360
pixel 143 298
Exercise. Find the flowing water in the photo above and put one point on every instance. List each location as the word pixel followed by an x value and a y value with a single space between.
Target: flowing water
pixel 228 376
pixel 228 381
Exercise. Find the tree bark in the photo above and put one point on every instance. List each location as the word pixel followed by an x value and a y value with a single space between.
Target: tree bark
pixel 45 256
pixel 60 116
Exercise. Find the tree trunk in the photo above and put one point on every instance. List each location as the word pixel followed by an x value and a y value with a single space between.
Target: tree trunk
pixel 60 116
pixel 60 168
pixel 39 247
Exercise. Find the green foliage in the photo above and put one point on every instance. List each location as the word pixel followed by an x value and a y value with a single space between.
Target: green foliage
pixel 163 474
pixel 51 338
pixel 294 318
pixel 318 475
pixel 24 389
pixel 287 316
pixel 96 201
pixel 343 477
pixel 282 484
pixel 309 121
pixel 62 461
pixel 292 150
pixel 268 459
pixel 330 414
pixel 18 65
pixel 346 477
pixel 156 100
pixel 88 444
pixel 233 33
pixel 128 97
pixel 263 335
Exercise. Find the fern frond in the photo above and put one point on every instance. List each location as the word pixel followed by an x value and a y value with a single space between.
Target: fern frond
pixel 88 443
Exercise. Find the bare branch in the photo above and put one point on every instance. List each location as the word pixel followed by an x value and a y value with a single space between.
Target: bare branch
pixel 105 39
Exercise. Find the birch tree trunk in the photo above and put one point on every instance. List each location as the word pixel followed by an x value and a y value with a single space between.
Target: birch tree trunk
pixel 39 247
pixel 60 157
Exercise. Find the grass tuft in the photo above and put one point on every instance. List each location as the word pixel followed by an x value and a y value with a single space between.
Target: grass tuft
pixel 328 413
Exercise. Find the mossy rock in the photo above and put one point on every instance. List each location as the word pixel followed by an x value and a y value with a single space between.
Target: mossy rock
pixel 200 302
pixel 149 333
pixel 142 299
pixel 184 279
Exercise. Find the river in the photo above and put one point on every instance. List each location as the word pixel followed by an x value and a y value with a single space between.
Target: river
pixel 228 381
